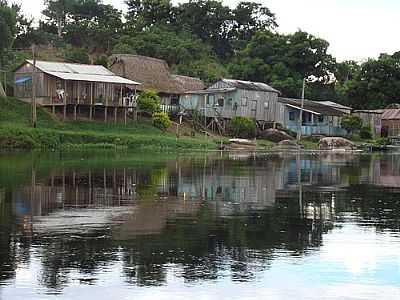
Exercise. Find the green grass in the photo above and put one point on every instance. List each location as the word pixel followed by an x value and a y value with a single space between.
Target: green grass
pixel 51 133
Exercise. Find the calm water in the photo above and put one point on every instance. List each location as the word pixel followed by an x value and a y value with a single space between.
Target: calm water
pixel 215 226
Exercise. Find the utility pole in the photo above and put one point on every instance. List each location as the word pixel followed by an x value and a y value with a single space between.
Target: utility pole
pixel 34 119
pixel 301 110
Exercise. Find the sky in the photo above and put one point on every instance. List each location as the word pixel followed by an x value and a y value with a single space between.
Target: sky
pixel 355 29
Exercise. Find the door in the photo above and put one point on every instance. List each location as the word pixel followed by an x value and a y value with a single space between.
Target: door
pixel 253 109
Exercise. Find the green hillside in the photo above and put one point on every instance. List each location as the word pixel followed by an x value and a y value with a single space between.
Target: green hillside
pixel 52 133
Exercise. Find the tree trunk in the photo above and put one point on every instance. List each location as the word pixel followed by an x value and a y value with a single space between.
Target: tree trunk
pixel 2 93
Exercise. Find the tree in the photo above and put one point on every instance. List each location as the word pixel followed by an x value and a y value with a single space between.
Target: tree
pixel 284 60
pixel 351 123
pixel 57 13
pixel 373 84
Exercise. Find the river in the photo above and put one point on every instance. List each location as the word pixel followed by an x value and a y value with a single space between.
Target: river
pixel 112 225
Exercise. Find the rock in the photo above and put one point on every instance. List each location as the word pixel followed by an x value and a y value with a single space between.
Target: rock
pixel 275 135
pixel 331 143
pixel 291 143
pixel 287 145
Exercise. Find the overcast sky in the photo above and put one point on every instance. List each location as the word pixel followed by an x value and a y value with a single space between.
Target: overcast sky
pixel 355 29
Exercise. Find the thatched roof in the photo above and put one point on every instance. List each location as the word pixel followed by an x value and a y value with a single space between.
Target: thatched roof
pixel 153 74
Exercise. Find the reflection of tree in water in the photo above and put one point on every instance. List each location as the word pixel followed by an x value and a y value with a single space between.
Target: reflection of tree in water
pixel 208 247
pixel 60 254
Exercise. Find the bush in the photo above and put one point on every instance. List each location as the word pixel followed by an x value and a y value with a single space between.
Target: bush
pixel 351 123
pixel 242 127
pixel 366 133
pixel 161 120
pixel 149 101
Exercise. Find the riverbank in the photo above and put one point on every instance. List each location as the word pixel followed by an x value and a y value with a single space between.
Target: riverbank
pixel 51 133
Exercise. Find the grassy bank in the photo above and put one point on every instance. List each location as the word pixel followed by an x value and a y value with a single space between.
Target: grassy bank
pixel 51 133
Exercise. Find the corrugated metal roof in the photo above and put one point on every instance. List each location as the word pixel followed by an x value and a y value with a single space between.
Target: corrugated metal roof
pixel 249 85
pixel 313 106
pixel 80 72
pixel 211 91
pixel 336 105
pixel 391 114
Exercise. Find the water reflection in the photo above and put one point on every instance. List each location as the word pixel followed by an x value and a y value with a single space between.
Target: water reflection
pixel 135 221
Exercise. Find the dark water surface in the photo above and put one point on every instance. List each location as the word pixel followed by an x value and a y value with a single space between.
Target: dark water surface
pixel 202 226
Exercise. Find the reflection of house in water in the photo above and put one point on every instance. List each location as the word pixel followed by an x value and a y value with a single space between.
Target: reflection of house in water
pixel 234 187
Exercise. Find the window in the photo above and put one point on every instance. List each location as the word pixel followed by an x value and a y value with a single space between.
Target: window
pixel 229 102
pixel 244 101
pixel 292 115
pixel 220 102
pixel 175 100
pixel 320 118
pixel 266 105
pixel 210 100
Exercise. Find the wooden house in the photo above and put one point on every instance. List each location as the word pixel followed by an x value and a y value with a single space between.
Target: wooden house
pixel 154 74
pixel 318 118
pixel 76 87
pixel 372 119
pixel 229 98
pixel 391 122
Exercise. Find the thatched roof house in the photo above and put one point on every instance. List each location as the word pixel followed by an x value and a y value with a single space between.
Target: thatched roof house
pixel 153 74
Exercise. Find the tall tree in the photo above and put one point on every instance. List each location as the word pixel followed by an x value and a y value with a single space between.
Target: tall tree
pixel 57 13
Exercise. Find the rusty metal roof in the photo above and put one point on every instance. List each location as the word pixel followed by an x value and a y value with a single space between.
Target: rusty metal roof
pixel 250 85
pixel 391 114
pixel 312 106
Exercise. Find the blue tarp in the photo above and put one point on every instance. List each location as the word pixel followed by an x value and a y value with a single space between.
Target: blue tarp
pixel 23 79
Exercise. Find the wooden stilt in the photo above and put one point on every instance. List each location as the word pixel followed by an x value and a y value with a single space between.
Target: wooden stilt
pixel 125 116
pixel 75 106
pixel 54 109
pixel 105 113
pixel 115 114
pixel 91 102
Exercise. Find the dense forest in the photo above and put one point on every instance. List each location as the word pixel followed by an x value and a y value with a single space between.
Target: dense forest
pixel 201 38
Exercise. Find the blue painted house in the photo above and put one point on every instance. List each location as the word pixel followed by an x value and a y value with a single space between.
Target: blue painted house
pixel 319 118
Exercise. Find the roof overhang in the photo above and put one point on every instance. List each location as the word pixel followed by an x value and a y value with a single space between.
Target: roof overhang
pixel 299 108
pixel 92 78
pixel 212 91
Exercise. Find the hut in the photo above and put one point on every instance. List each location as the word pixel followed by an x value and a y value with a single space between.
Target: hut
pixel 317 119
pixel 78 86
pixel 154 74
pixel 229 98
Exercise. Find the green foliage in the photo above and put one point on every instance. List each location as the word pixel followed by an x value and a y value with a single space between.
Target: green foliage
pixel 8 27
pixel 161 120
pixel 77 55
pixel 242 127
pixel 16 133
pixel 149 101
pixel 284 60
pixel 351 123
pixel 366 132
pixel 102 60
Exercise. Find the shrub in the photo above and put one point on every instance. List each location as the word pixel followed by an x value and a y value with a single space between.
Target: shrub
pixel 77 55
pixel 149 101
pixel 351 123
pixel 242 127
pixel 161 120
pixel 366 133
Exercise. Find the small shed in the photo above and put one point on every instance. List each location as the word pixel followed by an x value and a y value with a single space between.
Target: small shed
pixel 228 98
pixel 154 74
pixel 318 118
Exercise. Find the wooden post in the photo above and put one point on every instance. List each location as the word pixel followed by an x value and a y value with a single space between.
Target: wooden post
pixel 91 102
pixel 65 99
pixel 106 104
pixel 34 119
pixel 115 114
